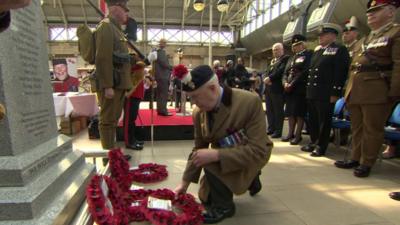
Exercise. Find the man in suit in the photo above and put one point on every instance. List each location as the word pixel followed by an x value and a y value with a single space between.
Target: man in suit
pixel 327 75
pixel 274 91
pixel 113 75
pixel 374 85
pixel 5 7
pixel 233 122
pixel 162 75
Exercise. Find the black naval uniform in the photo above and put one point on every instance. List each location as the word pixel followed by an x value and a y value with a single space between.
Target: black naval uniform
pixel 327 75
pixel 5 19
pixel 296 75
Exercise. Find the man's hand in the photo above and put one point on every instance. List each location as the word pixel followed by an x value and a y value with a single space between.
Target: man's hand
pixel 6 5
pixel 334 99
pixel 287 87
pixel 267 81
pixel 181 188
pixel 205 156
pixel 109 93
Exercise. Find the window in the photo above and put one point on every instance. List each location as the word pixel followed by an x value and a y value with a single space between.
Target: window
pixel 285 4
pixel 275 10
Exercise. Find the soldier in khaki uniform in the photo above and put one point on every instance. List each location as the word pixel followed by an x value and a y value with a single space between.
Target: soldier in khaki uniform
pixel 112 70
pixel 374 85
pixel 233 122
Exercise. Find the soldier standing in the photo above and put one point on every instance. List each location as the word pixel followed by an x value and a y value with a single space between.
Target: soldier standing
pixel 113 73
pixel 162 75
pixel 327 74
pixel 374 85
pixel 350 35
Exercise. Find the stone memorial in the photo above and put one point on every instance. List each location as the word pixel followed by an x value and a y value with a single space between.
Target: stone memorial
pixel 42 181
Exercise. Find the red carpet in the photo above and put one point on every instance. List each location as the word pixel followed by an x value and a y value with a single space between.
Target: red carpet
pixel 174 120
pixel 145 115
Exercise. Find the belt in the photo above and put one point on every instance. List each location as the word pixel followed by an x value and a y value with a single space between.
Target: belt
pixel 371 68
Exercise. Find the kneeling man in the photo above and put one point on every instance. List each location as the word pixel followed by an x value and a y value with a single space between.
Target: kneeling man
pixel 231 143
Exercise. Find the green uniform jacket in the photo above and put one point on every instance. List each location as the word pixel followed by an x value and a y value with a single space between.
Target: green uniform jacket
pixel 108 42
pixel 369 86
pixel 240 164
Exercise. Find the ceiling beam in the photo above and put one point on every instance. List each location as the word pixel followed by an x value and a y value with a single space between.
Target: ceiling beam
pixel 63 16
pixel 84 12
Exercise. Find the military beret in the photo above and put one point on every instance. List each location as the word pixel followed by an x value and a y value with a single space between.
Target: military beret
pixel 194 79
pixel 376 4
pixel 329 28
pixel 297 38
pixel 59 61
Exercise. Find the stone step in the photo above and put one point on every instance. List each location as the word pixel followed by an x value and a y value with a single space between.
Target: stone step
pixel 64 206
pixel 29 201
pixel 19 170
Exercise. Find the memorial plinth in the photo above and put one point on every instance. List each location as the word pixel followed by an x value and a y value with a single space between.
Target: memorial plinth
pixel 42 181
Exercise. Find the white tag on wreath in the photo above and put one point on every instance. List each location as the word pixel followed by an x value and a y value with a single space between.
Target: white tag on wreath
pixel 135 187
pixel 134 168
pixel 135 203
pixel 155 203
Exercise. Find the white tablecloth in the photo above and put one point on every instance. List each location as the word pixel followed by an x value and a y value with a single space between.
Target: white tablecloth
pixel 75 104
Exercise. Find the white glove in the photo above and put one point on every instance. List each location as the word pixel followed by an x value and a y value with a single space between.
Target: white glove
pixel 152 56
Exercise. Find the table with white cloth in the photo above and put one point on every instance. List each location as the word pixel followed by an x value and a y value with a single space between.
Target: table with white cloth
pixel 73 104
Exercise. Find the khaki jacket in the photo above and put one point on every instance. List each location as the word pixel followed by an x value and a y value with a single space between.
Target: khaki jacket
pixel 372 86
pixel 108 42
pixel 238 165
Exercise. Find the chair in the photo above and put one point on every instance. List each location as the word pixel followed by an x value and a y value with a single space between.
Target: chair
pixel 339 122
pixel 392 133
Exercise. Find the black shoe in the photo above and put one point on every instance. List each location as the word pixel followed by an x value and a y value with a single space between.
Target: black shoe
pixel 296 141
pixel 217 214
pixel 362 171
pixel 270 132
pixel 287 138
pixel 164 114
pixel 255 186
pixel 395 195
pixel 140 142
pixel 317 153
pixel 348 164
pixel 308 148
pixel 276 135
pixel 134 146
pixel 127 157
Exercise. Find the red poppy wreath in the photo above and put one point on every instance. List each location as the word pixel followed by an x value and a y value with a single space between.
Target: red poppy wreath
pixel 190 210
pixel 149 173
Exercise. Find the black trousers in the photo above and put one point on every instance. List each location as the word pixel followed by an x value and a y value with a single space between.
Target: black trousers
pixel 220 195
pixel 277 111
pixel 320 121
pixel 268 108
pixel 131 110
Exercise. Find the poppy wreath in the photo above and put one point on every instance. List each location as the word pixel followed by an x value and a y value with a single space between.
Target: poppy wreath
pixel 119 168
pixel 146 173
pixel 134 210
pixel 97 202
pixel 149 173
pixel 185 203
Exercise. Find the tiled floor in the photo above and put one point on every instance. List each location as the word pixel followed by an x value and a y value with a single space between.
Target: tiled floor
pixel 297 189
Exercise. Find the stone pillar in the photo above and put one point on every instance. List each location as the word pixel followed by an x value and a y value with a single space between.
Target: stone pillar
pixel 42 181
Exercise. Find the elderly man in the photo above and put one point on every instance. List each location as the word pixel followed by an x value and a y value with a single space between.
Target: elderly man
pixel 274 91
pixel 327 75
pixel 5 7
pixel 374 85
pixel 233 122
pixel 162 75
pixel 113 73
